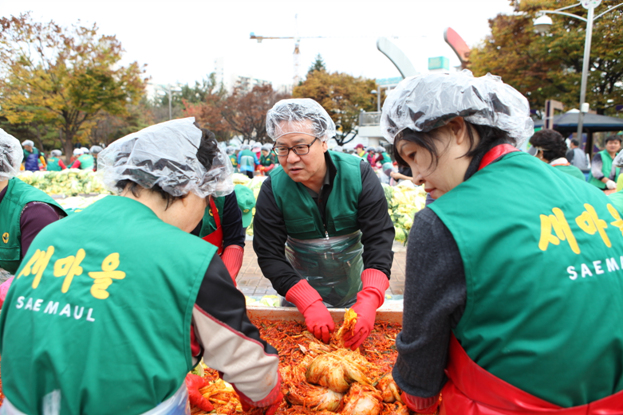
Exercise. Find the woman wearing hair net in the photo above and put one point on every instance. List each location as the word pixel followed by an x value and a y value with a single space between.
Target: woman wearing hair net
pixel 85 161
pixel 24 210
pixel 109 315
pixel 513 285
pixel 222 225
pixel 55 163
pixel 32 156
pixel 268 161
pixel 247 160
pixel 326 207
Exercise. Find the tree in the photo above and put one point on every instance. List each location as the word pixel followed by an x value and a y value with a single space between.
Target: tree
pixel 549 66
pixel 245 112
pixel 55 79
pixel 207 111
pixel 318 65
pixel 343 96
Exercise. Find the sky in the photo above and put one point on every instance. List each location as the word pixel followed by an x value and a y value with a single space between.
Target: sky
pixel 180 40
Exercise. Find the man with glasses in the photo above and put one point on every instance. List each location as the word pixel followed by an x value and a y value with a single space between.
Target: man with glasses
pixel 322 232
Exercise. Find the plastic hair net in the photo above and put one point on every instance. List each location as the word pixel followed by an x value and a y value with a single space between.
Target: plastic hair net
pixel 165 155
pixel 96 149
pixel 290 116
pixel 11 155
pixel 266 148
pixel 245 147
pixel 28 143
pixel 380 150
pixel 56 153
pixel 424 103
pixel 618 160
pixel 230 150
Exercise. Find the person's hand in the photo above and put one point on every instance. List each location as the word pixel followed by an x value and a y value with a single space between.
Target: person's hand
pixel 371 297
pixel 270 410
pixel 421 405
pixel 611 185
pixel 319 321
pixel 194 383
pixel 317 318
pixel 270 404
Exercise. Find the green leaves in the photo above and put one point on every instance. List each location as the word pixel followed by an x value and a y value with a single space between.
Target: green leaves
pixel 549 66
pixel 63 78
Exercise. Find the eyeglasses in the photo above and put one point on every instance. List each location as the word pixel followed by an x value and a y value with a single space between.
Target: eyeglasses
pixel 299 149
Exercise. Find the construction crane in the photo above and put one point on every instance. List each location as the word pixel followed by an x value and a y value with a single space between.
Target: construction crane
pixel 297 50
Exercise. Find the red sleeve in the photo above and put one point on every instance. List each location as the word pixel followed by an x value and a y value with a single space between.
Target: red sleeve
pixel 76 164
pixel 60 163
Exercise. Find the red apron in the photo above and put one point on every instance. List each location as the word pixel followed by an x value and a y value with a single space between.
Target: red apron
pixel 471 390
pixel 216 237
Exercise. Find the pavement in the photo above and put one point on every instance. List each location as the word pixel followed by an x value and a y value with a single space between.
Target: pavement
pixel 252 283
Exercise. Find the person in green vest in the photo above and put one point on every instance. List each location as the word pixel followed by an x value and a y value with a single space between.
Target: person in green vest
pixel 506 267
pixel 85 161
pixel 24 211
pixel 222 225
pixel 603 175
pixel 268 160
pixel 551 148
pixel 112 322
pixel 231 152
pixel 330 212
pixel 55 163
pixel 247 160
pixel 32 156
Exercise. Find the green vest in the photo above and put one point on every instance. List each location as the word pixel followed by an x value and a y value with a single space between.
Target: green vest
pixel 234 160
pixel 247 159
pixel 544 290
pixel 571 170
pixel 17 195
pixel 86 162
pixel 300 212
pixel 267 160
pixel 53 164
pixel 606 169
pixel 385 158
pixel 209 225
pixel 115 338
pixel 617 200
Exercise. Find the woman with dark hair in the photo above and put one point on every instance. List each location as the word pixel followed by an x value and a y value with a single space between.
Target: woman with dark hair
pixel 109 315
pixel 506 267
pixel 551 148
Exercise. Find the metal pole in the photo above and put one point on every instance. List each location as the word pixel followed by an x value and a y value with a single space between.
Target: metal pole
pixel 585 63
pixel 170 112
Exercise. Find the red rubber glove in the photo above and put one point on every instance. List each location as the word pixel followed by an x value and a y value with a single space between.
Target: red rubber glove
pixel 371 297
pixel 232 258
pixel 194 383
pixel 421 405
pixel 309 303
pixel 272 402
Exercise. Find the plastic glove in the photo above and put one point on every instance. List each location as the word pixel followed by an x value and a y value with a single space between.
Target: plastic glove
pixel 272 402
pixel 611 185
pixel 421 405
pixel 194 383
pixel 371 297
pixel 232 258
pixel 309 303
pixel 270 410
